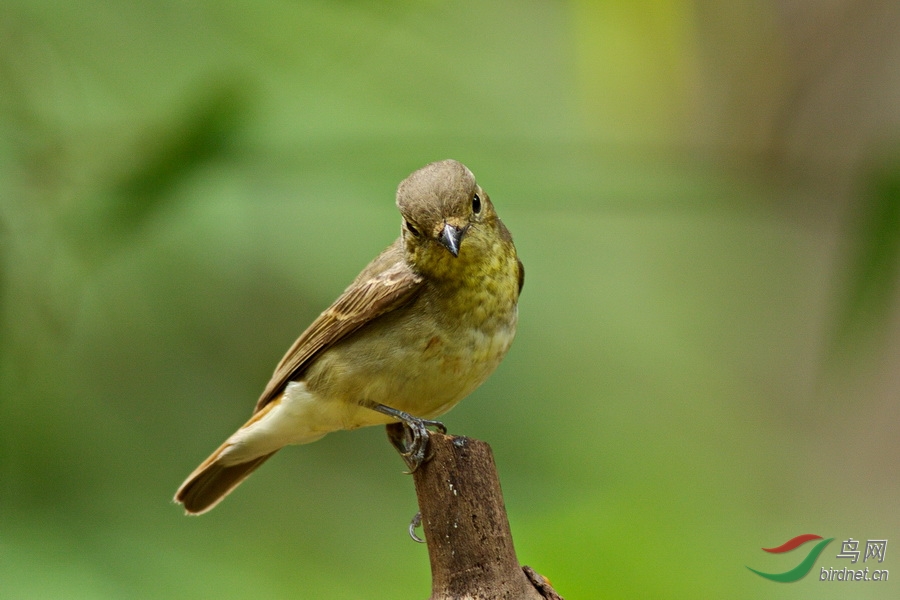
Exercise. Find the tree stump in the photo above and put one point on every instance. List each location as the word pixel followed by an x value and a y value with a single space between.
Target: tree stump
pixel 469 541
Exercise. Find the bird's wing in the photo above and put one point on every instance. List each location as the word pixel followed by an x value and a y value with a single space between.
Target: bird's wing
pixel 385 285
pixel 521 275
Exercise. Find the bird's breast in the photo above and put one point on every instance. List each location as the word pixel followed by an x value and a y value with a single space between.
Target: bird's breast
pixel 425 357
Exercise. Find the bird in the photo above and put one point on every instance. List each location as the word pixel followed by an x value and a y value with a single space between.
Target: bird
pixel 420 328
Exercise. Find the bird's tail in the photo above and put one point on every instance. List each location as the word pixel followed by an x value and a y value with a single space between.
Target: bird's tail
pixel 226 468
pixel 212 481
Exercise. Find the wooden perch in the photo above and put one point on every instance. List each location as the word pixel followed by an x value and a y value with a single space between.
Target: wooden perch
pixel 469 541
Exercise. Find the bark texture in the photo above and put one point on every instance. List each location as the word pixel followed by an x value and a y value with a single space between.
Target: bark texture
pixel 464 519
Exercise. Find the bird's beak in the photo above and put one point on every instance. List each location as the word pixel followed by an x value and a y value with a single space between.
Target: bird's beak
pixel 451 237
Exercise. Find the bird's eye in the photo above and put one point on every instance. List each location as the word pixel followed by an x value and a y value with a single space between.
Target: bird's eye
pixel 476 204
pixel 411 229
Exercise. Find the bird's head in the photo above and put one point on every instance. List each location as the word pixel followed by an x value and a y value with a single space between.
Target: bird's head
pixel 446 217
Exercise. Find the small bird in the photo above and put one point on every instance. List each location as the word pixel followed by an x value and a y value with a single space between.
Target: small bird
pixel 419 329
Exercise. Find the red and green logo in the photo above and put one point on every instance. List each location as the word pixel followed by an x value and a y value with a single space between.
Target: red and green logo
pixel 805 566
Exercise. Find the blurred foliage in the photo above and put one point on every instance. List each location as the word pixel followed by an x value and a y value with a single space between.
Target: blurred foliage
pixel 706 361
pixel 874 260
pixel 173 155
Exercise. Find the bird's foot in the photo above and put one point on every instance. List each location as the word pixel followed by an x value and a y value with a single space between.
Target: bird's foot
pixel 413 525
pixel 410 436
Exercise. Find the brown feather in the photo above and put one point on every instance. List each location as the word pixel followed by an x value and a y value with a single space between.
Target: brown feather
pixel 211 482
pixel 384 285
pixel 521 275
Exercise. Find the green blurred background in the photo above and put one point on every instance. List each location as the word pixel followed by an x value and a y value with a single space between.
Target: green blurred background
pixel 706 197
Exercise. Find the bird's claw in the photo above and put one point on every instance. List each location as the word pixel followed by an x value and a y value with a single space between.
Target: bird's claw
pixel 417 445
pixel 413 525
pixel 410 436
